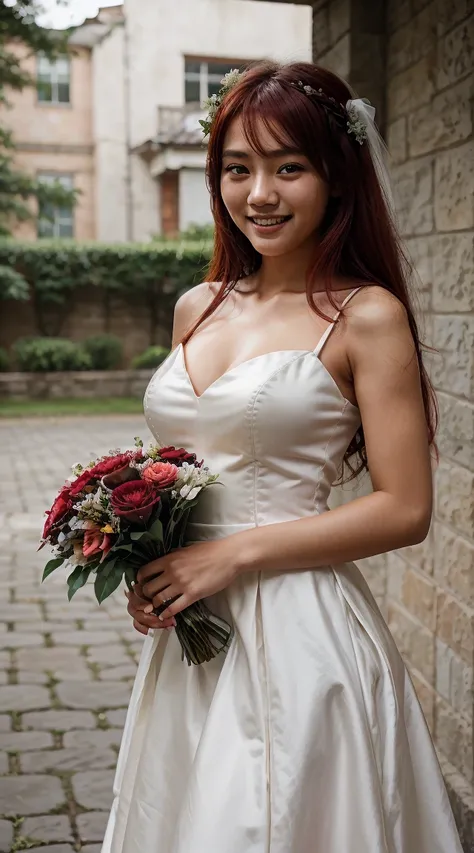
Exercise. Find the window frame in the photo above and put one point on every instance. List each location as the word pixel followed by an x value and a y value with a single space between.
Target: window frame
pixel 205 72
pixel 59 217
pixel 54 81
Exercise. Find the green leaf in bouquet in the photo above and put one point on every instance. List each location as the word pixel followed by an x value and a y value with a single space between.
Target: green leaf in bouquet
pixel 106 583
pixel 156 531
pixel 51 566
pixel 130 575
pixel 136 535
pixel 77 579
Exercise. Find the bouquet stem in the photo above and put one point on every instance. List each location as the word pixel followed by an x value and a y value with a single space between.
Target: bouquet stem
pixel 201 634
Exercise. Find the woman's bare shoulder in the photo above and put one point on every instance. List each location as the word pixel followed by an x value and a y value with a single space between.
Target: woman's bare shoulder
pixel 373 305
pixel 190 306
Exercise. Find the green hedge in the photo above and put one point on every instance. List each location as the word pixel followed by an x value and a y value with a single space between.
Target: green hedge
pixel 45 354
pixel 152 357
pixel 106 351
pixel 53 269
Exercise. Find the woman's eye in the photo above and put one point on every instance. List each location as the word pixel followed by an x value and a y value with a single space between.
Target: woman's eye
pixel 291 168
pixel 236 170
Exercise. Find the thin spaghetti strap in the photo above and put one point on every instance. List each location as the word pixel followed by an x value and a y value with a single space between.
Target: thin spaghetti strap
pixel 329 329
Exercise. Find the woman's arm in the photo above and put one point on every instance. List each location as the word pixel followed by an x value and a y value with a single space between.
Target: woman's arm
pixel 398 513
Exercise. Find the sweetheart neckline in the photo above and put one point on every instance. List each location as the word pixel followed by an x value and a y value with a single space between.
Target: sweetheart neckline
pixel 247 361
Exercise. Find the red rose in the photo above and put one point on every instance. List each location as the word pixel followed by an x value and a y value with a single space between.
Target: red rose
pixel 134 501
pixel 160 474
pixel 101 469
pixel 59 509
pixel 176 455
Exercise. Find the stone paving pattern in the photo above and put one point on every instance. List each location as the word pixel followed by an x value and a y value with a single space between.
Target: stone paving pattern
pixel 66 669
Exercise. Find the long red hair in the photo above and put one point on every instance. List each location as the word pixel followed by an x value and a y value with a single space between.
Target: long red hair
pixel 358 238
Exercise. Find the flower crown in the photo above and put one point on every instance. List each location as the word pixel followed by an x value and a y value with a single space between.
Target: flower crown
pixel 348 116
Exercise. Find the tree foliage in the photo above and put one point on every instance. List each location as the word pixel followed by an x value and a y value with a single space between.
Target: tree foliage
pixel 18 27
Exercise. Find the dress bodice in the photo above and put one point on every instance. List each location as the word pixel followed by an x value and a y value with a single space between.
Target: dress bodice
pixel 274 427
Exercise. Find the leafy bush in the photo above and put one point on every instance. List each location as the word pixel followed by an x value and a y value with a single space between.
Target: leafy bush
pixel 42 354
pixel 152 357
pixel 105 351
pixel 4 360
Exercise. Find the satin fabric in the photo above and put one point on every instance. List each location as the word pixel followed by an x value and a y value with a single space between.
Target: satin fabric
pixel 307 736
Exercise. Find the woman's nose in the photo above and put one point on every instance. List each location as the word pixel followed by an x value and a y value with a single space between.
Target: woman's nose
pixel 262 192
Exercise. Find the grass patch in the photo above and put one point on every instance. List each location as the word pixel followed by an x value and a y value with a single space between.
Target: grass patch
pixel 55 408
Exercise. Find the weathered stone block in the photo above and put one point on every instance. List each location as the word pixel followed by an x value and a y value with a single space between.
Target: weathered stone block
pixel 396 569
pixel 14 697
pixel 321 36
pixel 117 718
pixel 59 720
pixel 454 738
pixel 82 638
pixel 421 556
pixel 416 644
pixel 454 563
pixel 453 268
pixel 111 695
pixel 413 189
pixel 92 826
pixel 455 497
pixel 411 88
pixel 72 758
pixel 5 723
pixel 126 672
pixel 6 836
pixel 339 19
pixel 47 828
pixel 398 13
pixel 455 626
pixel 29 795
pixel 454 175
pixel 397 140
pixel 419 597
pixel 337 59
pixel 456 430
pixel 454 679
pixel 456 54
pixel 62 663
pixel 410 43
pixel 442 123
pixel 453 368
pixel 449 15
pixel 93 790
pixel 22 741
pixel 426 696
pixel 99 738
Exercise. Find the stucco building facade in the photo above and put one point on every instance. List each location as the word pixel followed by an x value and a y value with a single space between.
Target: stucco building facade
pixel 118 118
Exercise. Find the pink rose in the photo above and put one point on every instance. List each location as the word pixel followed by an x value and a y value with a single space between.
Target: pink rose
pixel 160 474
pixel 96 541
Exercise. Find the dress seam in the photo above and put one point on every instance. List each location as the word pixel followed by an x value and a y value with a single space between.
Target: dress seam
pixel 323 465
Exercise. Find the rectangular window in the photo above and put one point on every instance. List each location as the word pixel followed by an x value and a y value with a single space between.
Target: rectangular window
pixel 203 79
pixel 55 221
pixel 53 80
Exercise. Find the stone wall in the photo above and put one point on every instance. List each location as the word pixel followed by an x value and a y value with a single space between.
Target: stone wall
pixel 89 312
pixel 430 589
pixel 74 385
pixel 424 53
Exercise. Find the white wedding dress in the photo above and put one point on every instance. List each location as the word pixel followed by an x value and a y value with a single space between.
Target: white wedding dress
pixel 307 736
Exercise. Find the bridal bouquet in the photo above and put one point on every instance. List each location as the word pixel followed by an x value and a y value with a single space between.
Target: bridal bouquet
pixel 123 511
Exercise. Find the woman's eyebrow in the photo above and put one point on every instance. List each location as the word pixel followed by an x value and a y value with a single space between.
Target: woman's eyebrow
pixel 277 152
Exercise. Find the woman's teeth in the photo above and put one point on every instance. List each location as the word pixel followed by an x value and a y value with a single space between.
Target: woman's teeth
pixel 275 221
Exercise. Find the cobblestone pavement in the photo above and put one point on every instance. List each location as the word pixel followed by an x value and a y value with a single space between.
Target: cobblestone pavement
pixel 66 668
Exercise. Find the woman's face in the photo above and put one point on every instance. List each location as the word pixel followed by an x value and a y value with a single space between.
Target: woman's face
pixel 278 200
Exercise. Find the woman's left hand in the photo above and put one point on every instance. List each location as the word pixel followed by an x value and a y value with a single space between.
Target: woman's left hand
pixel 189 574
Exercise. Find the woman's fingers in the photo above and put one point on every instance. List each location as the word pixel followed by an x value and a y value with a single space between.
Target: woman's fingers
pixel 135 609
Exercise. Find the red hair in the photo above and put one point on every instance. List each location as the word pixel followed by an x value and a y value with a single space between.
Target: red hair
pixel 358 239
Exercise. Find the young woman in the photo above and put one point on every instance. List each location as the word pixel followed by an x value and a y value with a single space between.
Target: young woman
pixel 299 353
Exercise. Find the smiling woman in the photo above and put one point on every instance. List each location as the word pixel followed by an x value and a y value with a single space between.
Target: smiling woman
pixel 299 353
